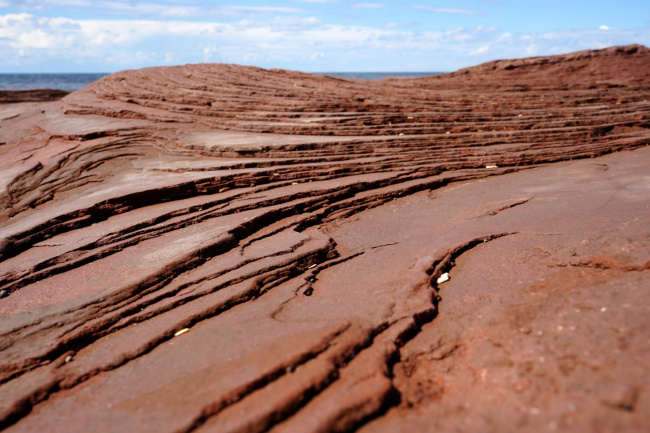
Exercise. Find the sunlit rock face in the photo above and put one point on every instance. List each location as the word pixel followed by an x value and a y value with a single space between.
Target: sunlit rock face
pixel 225 248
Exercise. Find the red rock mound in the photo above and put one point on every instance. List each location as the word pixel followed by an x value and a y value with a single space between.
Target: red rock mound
pixel 609 67
pixel 224 248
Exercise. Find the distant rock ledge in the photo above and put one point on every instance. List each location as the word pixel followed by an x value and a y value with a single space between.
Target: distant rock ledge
pixel 31 95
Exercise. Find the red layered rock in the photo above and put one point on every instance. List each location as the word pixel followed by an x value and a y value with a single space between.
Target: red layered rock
pixel 225 248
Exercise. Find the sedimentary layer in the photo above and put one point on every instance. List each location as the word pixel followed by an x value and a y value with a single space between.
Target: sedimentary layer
pixel 225 248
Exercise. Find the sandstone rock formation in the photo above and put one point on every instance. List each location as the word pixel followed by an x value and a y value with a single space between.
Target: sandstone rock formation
pixel 223 248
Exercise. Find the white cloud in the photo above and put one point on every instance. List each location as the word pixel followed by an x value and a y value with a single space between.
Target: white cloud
pixel 274 9
pixel 480 50
pixel 169 9
pixel 293 42
pixel 453 11
pixel 294 24
pixel 603 27
pixel 531 50
pixel 504 37
pixel 143 55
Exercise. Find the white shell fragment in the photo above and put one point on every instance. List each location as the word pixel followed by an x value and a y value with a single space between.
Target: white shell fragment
pixel 181 332
pixel 442 278
pixel 491 166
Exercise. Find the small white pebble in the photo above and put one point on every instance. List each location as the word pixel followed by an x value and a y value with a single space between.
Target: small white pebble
pixel 181 332
pixel 491 166
pixel 603 309
pixel 443 278
pixel 68 358
pixel 447 132
pixel 401 133
pixel 312 266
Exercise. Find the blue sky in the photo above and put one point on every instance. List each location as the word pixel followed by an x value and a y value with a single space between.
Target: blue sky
pixel 307 35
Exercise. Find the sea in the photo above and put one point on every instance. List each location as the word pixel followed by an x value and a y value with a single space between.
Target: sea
pixel 69 82
pixel 72 82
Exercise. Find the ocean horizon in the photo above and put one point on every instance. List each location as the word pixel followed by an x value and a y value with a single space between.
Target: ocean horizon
pixel 75 81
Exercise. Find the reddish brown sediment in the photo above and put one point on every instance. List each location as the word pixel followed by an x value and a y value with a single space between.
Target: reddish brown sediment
pixel 224 248
pixel 31 95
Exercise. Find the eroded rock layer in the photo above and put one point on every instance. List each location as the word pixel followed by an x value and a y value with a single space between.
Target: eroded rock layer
pixel 224 248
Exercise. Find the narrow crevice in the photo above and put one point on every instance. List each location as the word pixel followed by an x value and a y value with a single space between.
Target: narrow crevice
pixel 510 206
pixel 443 264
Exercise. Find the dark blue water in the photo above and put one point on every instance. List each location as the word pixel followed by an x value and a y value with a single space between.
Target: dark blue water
pixel 73 82
pixel 47 81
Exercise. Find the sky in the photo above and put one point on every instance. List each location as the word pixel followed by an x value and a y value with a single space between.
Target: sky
pixel 64 36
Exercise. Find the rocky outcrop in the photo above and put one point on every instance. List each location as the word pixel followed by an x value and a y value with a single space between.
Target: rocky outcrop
pixel 589 69
pixel 225 248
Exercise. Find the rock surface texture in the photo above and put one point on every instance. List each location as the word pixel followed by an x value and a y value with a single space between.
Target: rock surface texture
pixel 217 248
